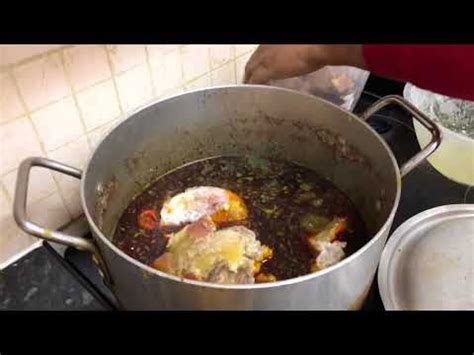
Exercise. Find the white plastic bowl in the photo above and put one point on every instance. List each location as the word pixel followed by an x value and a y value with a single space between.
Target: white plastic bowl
pixel 455 156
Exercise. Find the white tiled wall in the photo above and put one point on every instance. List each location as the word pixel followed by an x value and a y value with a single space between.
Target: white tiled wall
pixel 58 101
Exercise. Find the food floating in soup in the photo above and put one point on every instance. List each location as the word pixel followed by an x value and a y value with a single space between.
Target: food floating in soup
pixel 199 251
pixel 240 220
pixel 220 204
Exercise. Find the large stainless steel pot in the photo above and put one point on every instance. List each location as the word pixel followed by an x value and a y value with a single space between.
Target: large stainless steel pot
pixel 261 120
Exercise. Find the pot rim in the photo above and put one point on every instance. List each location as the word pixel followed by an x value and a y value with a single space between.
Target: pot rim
pixel 98 233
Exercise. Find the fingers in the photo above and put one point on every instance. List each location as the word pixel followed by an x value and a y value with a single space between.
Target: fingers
pixel 261 75
pixel 252 64
pixel 256 70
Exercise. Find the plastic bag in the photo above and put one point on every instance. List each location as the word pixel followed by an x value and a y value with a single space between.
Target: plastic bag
pixel 340 85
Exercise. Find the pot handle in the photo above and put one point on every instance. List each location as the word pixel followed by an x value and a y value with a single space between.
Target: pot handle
pixel 19 204
pixel 424 120
pixel 19 211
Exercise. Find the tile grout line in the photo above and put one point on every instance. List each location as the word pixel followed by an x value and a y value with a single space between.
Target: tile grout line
pixel 181 85
pixel 114 81
pixel 123 71
pixel 45 152
pixel 220 66
pixel 5 191
pixel 8 172
pixel 32 58
pixel 74 97
pixel 209 62
pixel 27 109
pixel 58 100
pixel 62 58
pixel 43 148
pixel 36 109
pixel 37 242
pixel 235 64
pixel 10 74
pixel 181 66
pixel 207 73
pixel 28 116
pixel 234 59
pixel 150 72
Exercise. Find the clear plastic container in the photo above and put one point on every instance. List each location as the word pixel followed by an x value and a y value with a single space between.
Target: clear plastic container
pixel 454 158
pixel 340 85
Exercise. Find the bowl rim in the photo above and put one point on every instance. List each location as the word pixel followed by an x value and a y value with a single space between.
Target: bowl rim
pixel 446 131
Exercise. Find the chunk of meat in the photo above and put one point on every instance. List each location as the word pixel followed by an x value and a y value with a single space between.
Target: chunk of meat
pixel 327 249
pixel 201 228
pixel 227 256
pixel 263 278
pixel 328 233
pixel 267 254
pixel 222 274
pixel 163 263
pixel 189 206
pixel 330 254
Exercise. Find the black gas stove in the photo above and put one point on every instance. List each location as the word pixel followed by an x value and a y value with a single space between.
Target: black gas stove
pixel 50 280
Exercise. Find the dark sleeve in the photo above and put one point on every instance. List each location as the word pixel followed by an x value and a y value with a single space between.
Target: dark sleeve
pixel 444 69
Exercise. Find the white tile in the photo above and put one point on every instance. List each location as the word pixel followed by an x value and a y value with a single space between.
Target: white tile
pixel 10 104
pixel 220 54
pixel 74 154
pixel 172 92
pixel 58 123
pixel 17 142
pixel 49 212
pixel 240 64
pixel 40 185
pixel 5 205
pixel 224 75
pixel 97 134
pixel 86 65
pixel 195 61
pixel 134 87
pixel 98 104
pixel 72 198
pixel 13 240
pixel 167 72
pixel 10 54
pixel 42 81
pixel 202 82
pixel 124 57
pixel 157 50
pixel 244 49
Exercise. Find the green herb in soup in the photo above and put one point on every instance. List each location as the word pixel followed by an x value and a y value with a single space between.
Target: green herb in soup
pixel 240 220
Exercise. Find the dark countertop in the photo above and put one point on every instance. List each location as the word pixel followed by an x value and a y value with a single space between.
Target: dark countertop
pixel 43 280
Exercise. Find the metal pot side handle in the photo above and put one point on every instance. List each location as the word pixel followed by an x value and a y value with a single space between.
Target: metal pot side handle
pixel 19 205
pixel 424 153
pixel 19 212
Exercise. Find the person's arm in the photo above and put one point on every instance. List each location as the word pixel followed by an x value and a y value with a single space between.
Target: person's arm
pixel 445 69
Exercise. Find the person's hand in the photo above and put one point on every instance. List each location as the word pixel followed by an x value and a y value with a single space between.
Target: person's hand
pixel 273 62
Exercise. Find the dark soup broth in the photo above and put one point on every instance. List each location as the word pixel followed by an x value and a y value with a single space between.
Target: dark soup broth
pixel 286 203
